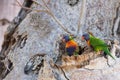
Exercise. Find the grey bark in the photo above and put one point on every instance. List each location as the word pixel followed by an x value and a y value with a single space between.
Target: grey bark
pixel 33 33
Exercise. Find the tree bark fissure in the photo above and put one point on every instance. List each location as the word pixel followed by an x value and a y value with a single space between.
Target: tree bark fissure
pixel 9 40
pixel 12 28
pixel 115 28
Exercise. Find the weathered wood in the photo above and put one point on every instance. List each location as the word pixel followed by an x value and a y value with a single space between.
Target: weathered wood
pixel 38 33
pixel 6 46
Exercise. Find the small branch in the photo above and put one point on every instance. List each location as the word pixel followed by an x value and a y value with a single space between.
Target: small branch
pixel 62 26
pixel 46 5
pixel 78 25
pixel 64 74
pixel 52 15
pixel 23 6
pixel 19 4
pixel 81 15
pixel 47 10
pixel 37 3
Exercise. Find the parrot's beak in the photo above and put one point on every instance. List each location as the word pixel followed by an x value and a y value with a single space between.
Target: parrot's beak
pixel 83 38
pixel 63 40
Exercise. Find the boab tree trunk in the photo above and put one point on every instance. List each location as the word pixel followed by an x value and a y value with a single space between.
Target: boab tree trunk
pixel 30 42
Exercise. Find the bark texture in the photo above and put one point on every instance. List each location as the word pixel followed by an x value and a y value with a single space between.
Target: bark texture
pixel 33 48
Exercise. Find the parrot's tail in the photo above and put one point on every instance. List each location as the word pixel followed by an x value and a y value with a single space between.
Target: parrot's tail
pixel 111 56
pixel 108 53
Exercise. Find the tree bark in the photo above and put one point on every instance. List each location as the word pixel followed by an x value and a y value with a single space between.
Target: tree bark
pixel 32 42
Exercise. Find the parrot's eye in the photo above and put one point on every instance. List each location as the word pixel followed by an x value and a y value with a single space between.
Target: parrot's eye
pixel 86 37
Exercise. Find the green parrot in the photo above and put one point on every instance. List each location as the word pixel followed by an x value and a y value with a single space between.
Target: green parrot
pixel 97 44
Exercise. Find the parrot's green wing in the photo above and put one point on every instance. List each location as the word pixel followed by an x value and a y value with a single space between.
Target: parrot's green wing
pixel 99 45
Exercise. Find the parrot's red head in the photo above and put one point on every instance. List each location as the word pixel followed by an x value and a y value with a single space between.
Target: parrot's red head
pixel 86 37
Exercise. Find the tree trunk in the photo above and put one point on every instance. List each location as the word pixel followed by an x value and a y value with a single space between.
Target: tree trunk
pixel 32 49
pixel 8 12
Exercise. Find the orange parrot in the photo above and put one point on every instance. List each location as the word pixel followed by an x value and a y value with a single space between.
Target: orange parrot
pixel 70 45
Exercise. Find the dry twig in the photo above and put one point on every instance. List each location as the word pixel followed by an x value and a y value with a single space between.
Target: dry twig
pixel 53 16
pixel 81 15
pixel 48 11
pixel 19 4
